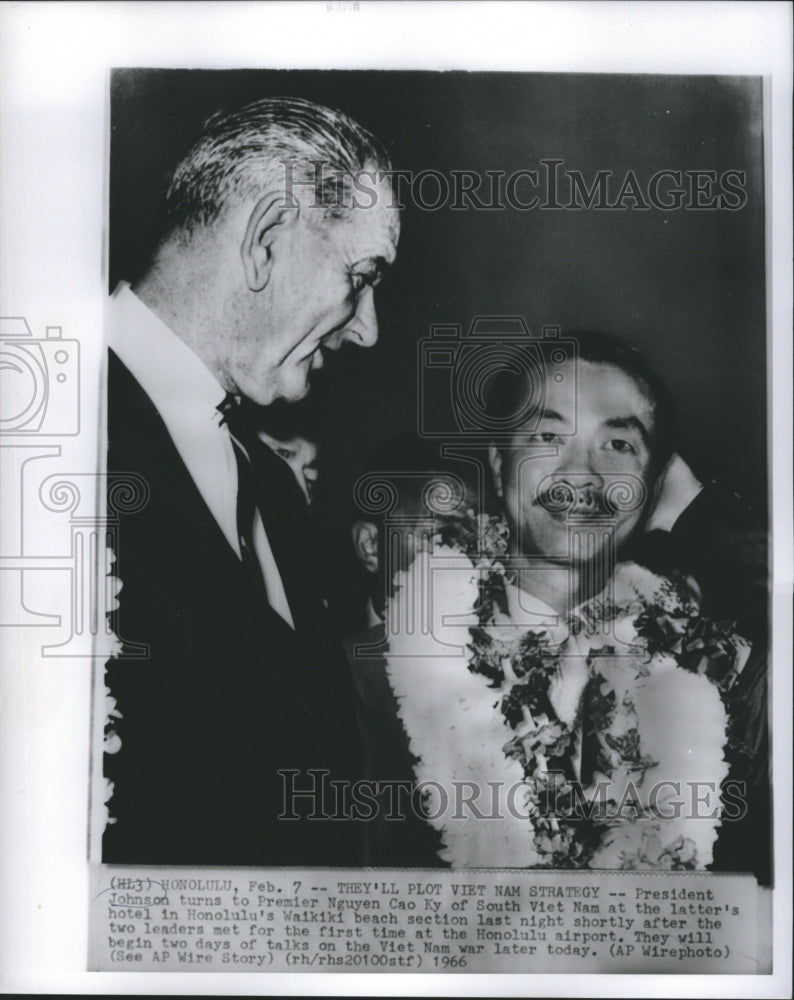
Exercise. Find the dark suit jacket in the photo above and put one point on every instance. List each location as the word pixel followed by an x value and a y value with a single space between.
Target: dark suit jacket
pixel 396 836
pixel 720 545
pixel 228 694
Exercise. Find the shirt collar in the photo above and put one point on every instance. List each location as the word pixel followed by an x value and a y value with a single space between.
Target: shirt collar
pixel 373 618
pixel 171 373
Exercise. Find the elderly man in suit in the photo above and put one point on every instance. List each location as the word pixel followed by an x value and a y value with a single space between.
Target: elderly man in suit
pixel 268 263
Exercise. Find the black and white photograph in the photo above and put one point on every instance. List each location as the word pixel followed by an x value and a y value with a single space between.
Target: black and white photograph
pixel 518 325
pixel 414 511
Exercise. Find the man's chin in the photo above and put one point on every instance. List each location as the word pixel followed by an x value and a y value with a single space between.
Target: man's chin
pixel 297 387
pixel 300 392
pixel 579 547
pixel 276 391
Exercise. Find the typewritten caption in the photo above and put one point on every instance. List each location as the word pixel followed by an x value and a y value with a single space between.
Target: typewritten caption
pixel 320 920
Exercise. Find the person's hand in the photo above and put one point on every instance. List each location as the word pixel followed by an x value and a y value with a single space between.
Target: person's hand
pixel 677 488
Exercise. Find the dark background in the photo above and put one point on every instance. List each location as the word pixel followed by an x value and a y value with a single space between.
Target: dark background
pixel 685 286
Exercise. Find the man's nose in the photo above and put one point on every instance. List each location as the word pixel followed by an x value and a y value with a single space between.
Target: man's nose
pixel 363 329
pixel 578 466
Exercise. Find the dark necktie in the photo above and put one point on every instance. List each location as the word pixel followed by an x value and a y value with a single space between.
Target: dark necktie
pixel 266 483
pixel 246 502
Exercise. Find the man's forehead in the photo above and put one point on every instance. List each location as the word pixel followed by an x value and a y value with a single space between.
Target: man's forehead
pixel 375 231
pixel 597 386
pixel 393 224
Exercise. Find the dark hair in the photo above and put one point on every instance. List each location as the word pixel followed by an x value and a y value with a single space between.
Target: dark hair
pixel 283 420
pixel 240 152
pixel 507 394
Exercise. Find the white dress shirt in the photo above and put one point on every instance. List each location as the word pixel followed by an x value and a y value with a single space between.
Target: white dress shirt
pixel 186 395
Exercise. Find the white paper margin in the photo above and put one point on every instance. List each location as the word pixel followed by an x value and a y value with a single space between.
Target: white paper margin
pixel 55 60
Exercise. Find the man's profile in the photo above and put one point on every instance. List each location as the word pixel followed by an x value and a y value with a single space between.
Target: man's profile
pixel 250 288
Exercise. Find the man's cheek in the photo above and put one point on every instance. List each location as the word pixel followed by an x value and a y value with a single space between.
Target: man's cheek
pixel 526 488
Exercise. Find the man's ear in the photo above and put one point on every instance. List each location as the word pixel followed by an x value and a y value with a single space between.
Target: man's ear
pixel 495 461
pixel 267 219
pixel 365 543
pixel 674 490
pixel 654 494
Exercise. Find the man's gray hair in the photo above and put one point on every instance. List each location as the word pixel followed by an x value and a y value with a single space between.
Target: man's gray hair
pixel 286 141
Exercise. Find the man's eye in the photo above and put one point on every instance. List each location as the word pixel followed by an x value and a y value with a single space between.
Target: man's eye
pixel 620 446
pixel 544 437
pixel 285 453
pixel 359 281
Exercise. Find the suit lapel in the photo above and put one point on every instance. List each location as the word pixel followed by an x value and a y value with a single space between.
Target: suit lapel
pixel 139 441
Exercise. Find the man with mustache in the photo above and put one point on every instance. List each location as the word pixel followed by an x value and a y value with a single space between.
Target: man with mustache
pixel 266 264
pixel 603 428
pixel 606 451
pixel 592 477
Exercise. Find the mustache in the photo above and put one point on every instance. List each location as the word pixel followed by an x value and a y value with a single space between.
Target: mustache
pixel 609 495
pixel 563 496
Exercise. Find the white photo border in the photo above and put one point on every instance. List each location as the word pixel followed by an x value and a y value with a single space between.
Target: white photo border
pixel 56 60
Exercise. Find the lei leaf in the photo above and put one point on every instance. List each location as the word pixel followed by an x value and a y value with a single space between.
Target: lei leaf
pixel 487 656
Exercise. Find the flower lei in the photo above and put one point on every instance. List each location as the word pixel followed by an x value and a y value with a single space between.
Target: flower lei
pixel 645 713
